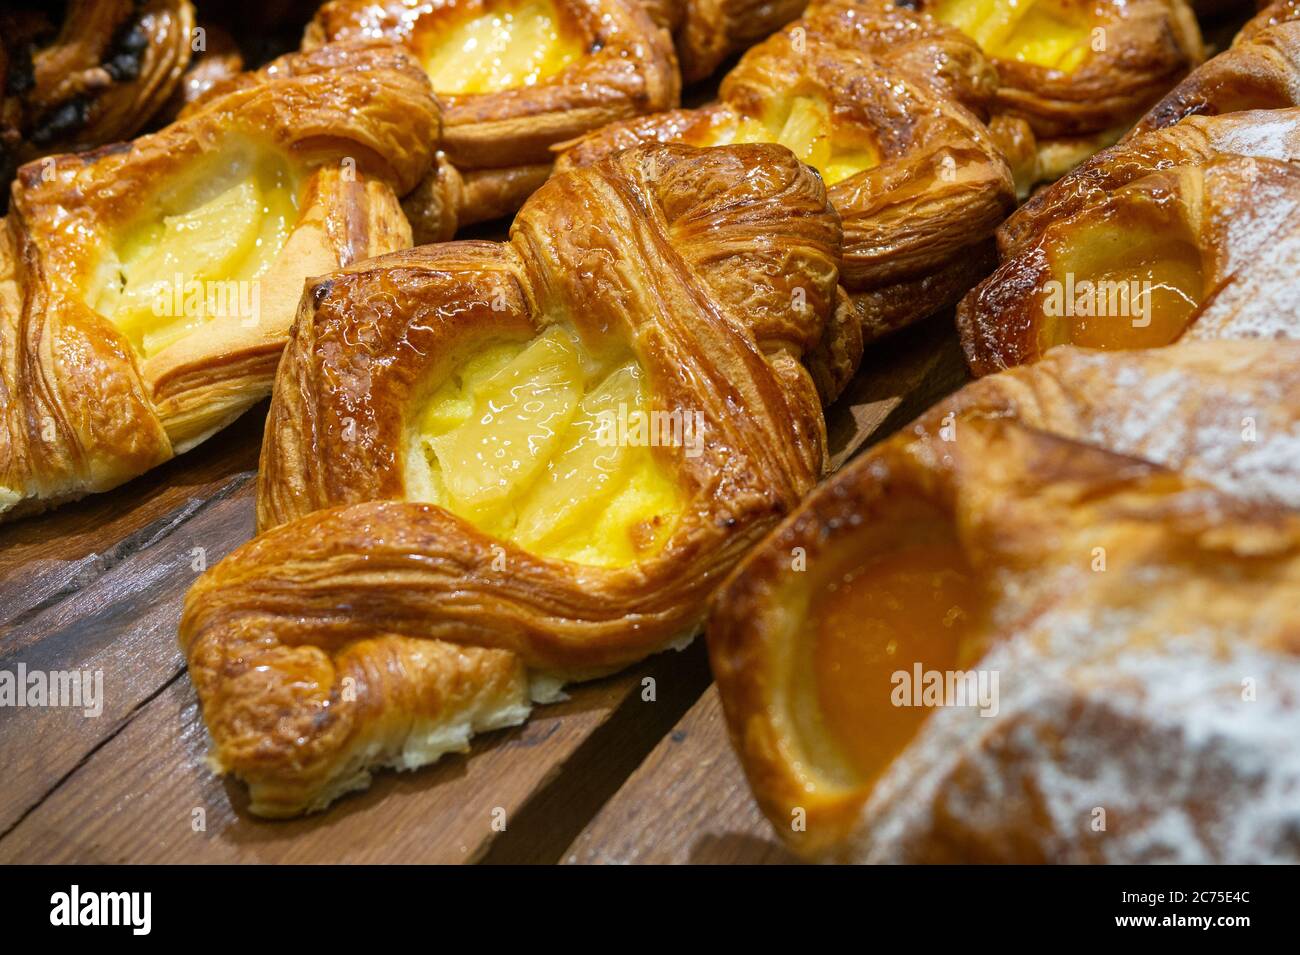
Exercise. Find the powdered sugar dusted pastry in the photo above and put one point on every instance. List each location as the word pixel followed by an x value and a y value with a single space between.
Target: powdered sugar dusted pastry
pixel 460 487
pixel 1053 621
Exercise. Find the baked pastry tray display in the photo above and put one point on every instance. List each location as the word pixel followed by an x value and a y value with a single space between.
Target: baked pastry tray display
pixel 632 767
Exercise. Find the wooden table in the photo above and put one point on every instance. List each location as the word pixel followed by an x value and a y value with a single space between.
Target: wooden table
pixel 605 776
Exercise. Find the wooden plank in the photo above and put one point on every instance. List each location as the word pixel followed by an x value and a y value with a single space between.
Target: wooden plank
pixel 688 802
pixel 138 797
pixel 899 378
pixel 122 625
pixel 48 557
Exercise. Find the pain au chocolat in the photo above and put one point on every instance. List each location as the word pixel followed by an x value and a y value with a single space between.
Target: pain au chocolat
pixel 147 288
pixel 491 468
pixel 92 73
pixel 873 97
pixel 1182 231
pixel 1052 621
pixel 513 77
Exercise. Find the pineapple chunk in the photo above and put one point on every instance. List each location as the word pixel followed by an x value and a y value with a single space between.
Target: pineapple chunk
pixel 203 244
pixel 512 44
pixel 519 445
pixel 1042 32
pixel 161 284
pixel 804 127
pixel 584 473
pixel 518 418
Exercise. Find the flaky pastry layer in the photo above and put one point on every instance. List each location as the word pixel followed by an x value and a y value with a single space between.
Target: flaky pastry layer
pixel 930 186
pixel 496 139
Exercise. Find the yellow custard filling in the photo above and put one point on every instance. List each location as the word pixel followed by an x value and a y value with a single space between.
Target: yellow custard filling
pixel 498 45
pixel 1045 33
pixel 199 250
pixel 803 125
pixel 524 441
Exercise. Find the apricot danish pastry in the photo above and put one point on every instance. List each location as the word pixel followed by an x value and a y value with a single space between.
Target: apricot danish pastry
pixel 1180 231
pixel 495 464
pixel 513 77
pixel 93 76
pixel 853 88
pixel 1052 621
pixel 147 288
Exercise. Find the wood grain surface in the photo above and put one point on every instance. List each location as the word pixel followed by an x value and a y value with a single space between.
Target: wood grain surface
pixel 98 585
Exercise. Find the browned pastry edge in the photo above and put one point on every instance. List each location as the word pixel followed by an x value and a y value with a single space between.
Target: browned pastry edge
pixel 917 225
pixel 82 411
pixel 1034 469
pixel 1260 71
pixel 498 141
pixel 691 258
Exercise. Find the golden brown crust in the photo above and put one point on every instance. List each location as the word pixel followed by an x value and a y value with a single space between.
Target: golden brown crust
pixel 84 412
pixel 1204 167
pixel 1260 71
pixel 1145 46
pixel 629 69
pixel 690 257
pixel 97 76
pixel 1177 467
pixel 917 224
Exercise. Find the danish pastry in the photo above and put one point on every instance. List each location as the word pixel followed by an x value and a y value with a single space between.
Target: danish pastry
pixel 147 288
pixel 853 88
pixel 549 70
pixel 93 76
pixel 1260 71
pixel 1053 621
pixel 1077 73
pixel 1180 231
pixel 706 32
pixel 496 465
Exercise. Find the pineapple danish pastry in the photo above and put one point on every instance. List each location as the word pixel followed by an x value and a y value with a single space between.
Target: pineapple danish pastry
pixel 1189 228
pixel 513 77
pixel 494 467
pixel 1075 74
pixel 147 288
pixel 1052 621
pixel 872 97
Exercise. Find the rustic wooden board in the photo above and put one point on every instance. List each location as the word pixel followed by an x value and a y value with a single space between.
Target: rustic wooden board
pixel 99 585
pixel 688 802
